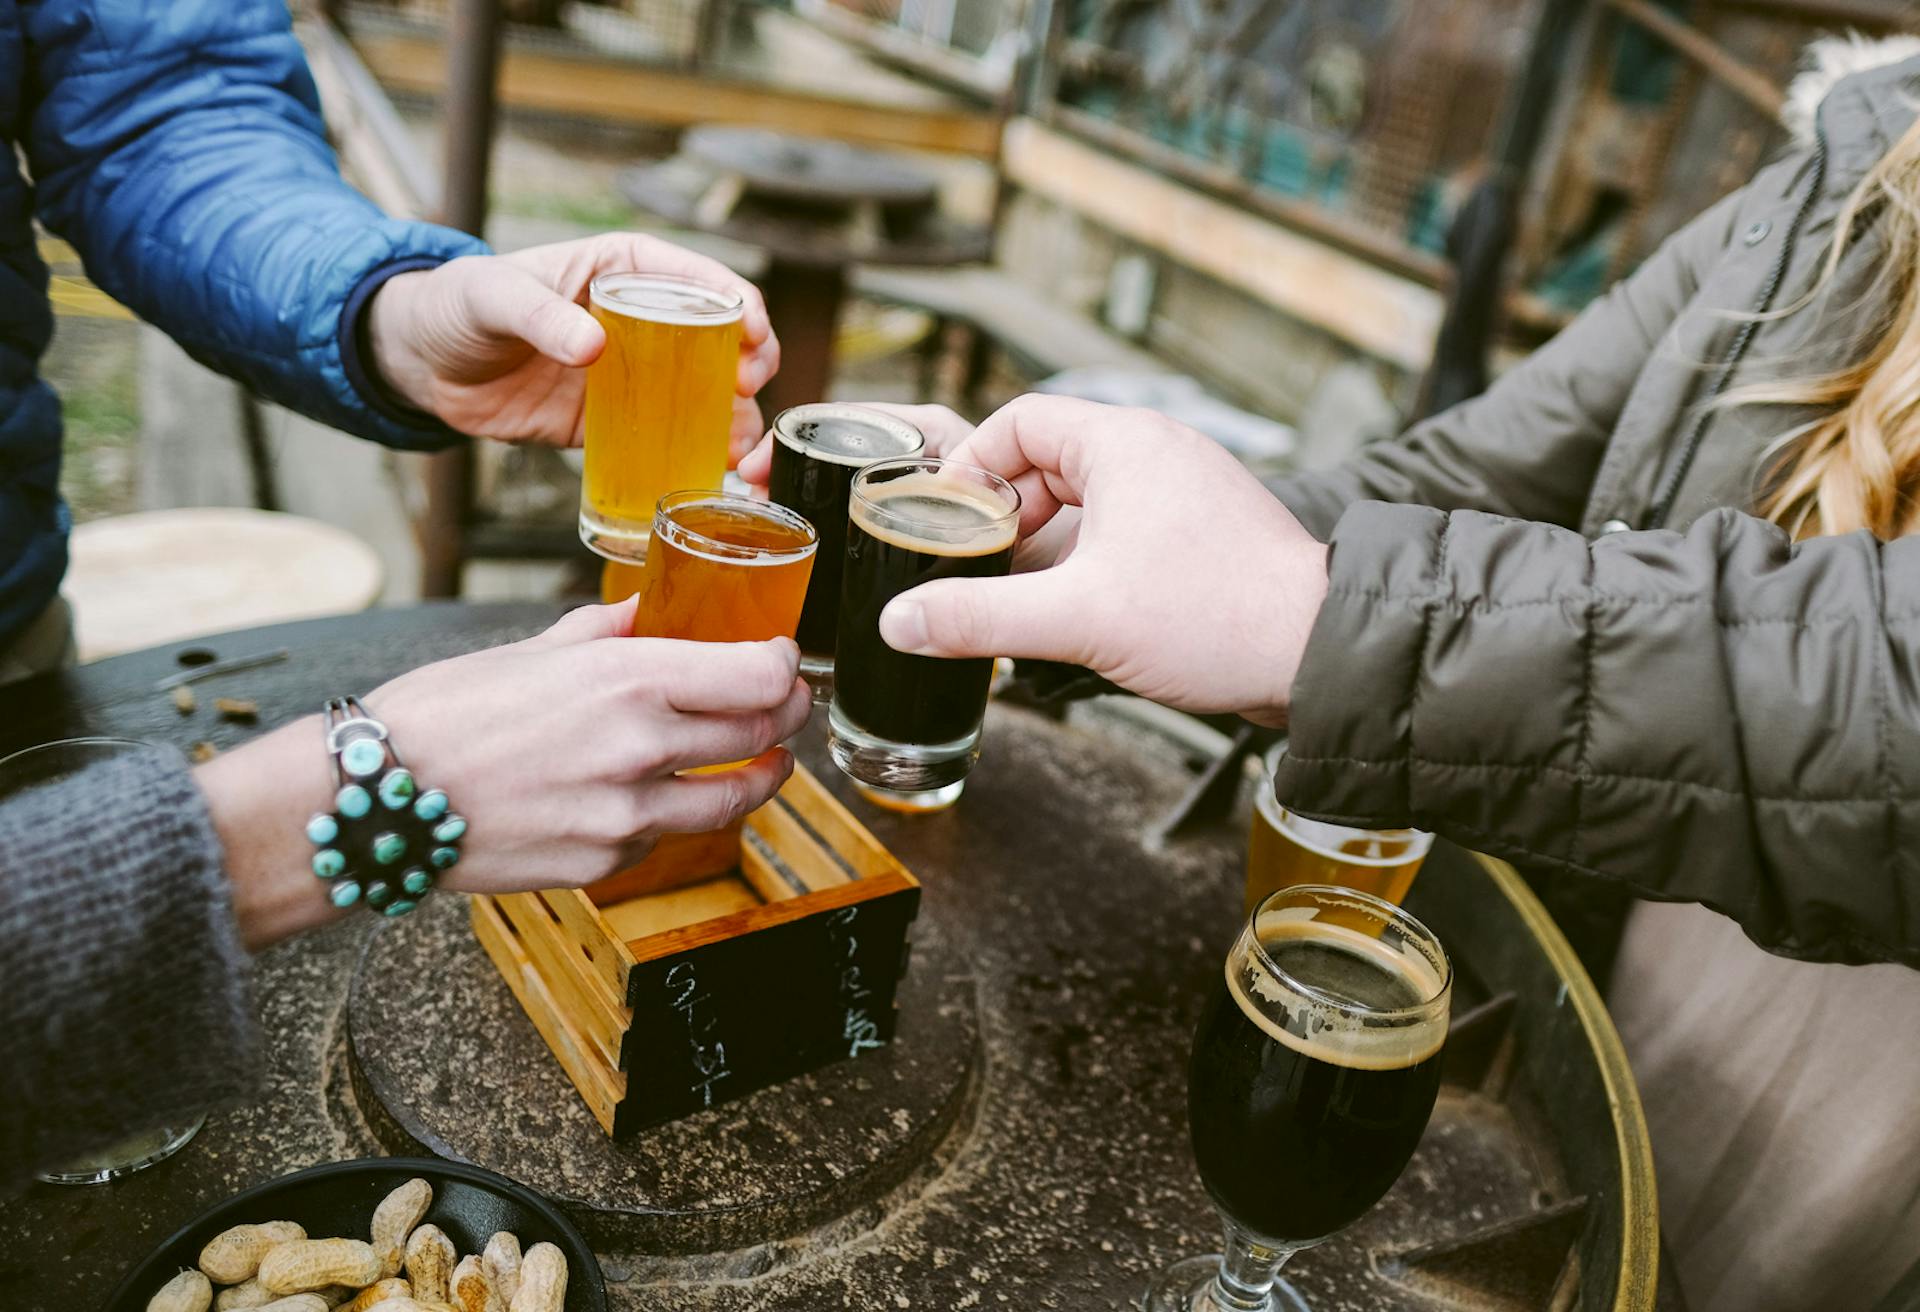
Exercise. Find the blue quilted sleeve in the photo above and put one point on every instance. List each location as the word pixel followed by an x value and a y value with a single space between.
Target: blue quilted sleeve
pixel 179 147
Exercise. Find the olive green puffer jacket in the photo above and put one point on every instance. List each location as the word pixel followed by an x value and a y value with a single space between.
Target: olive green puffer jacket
pixel 1555 634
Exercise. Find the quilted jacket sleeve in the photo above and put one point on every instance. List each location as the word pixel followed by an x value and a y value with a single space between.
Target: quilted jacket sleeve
pixel 1530 445
pixel 1722 716
pixel 178 145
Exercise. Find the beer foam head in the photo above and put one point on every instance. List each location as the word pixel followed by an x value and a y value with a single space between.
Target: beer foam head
pixel 846 434
pixel 1321 1017
pixel 939 511
pixel 663 298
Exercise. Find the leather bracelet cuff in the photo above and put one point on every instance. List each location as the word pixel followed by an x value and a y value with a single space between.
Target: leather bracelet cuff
pixel 385 842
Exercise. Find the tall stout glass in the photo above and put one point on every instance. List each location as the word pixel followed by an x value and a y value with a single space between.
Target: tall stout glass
pixel 1284 849
pixel 1314 1069
pixel 907 728
pixel 659 402
pixel 817 451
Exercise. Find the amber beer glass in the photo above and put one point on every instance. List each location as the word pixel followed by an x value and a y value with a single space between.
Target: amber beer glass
pixel 723 568
pixel 817 451
pixel 907 728
pixel 659 402
pixel 1285 849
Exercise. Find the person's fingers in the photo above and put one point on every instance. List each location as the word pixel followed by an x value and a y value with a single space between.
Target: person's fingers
pixel 747 430
pixel 1048 435
pixel 700 803
pixel 511 302
pixel 712 676
pixel 943 429
pixel 586 623
pixel 759 361
pixel 1039 615
pixel 756 465
pixel 697 740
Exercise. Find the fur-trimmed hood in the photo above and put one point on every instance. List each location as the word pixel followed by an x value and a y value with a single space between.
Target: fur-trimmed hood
pixel 1826 62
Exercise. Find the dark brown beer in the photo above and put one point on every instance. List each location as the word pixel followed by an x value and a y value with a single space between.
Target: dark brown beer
pixel 913 530
pixel 817 451
pixel 1302 1114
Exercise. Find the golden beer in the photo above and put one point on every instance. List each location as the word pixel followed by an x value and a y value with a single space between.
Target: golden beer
pixel 724 568
pixel 659 402
pixel 619 580
pixel 1285 850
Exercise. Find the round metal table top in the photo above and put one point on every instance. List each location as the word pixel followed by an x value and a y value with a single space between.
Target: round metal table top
pixel 777 165
pixel 1068 1185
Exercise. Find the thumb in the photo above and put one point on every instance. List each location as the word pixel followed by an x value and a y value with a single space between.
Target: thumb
pixel 1029 615
pixel 586 623
pixel 510 302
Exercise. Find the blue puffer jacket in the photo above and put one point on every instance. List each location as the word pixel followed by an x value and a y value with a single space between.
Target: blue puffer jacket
pixel 177 144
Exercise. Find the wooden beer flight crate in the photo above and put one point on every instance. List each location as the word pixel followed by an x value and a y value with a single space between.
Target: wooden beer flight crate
pixel 722 963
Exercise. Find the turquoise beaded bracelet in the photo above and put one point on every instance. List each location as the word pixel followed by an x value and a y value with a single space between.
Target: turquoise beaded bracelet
pixel 385 842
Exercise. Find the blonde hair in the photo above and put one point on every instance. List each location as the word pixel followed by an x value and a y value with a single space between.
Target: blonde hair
pixel 1858 466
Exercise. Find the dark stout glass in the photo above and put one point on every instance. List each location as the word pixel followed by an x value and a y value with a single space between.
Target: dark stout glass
pixel 817 451
pixel 903 724
pixel 1295 1138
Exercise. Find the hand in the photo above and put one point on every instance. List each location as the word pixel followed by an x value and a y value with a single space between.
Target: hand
pixel 561 751
pixel 1186 581
pixel 494 344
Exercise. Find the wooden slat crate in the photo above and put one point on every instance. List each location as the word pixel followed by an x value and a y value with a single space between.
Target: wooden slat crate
pixel 721 964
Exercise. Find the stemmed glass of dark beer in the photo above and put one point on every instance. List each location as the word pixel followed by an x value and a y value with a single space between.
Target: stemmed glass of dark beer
pixel 1314 1070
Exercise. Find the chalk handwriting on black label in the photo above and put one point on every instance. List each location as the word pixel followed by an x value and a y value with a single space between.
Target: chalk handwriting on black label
pixel 856 1027
pixel 696 1010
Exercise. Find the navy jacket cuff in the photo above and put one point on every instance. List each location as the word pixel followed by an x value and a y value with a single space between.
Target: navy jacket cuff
pixel 356 355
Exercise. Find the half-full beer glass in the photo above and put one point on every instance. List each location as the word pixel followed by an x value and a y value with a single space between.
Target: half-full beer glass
pixel 907 728
pixel 659 402
pixel 1314 1070
pixel 1284 849
pixel 723 568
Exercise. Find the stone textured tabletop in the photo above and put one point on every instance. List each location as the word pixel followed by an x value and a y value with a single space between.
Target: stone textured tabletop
pixel 1069 958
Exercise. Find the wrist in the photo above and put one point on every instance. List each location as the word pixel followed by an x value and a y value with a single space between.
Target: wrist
pixel 1302 594
pixel 395 371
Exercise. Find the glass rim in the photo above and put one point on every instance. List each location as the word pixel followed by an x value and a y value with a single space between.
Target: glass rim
pixel 934 464
pixel 727 306
pixel 783 436
pixel 86 740
pixel 1283 818
pixel 1389 913
pixel 664 524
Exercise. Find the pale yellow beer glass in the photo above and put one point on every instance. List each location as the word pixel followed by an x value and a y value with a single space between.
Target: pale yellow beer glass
pixel 1285 850
pixel 659 402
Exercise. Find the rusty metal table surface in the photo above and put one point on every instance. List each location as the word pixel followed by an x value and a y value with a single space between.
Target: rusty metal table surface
pixel 1068 1182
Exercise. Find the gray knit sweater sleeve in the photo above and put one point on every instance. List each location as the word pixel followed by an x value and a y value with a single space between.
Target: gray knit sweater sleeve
pixel 123 982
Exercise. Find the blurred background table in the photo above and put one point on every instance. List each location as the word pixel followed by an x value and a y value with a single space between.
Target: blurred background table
pixel 1044 1165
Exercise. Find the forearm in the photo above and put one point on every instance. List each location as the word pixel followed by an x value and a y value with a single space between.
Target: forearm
pixel 260 797
pixel 1715 717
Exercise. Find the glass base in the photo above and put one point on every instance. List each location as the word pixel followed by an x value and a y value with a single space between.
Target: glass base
pixel 624 540
pixel 125 1158
pixel 911 776
pixel 1188 1286
pixel 818 672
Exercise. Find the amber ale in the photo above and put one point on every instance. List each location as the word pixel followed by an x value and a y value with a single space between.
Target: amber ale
pixel 1314 1070
pixel 902 724
pixel 817 451
pixel 659 402
pixel 723 568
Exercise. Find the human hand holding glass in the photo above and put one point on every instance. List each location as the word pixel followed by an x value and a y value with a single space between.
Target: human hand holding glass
pixel 1314 1070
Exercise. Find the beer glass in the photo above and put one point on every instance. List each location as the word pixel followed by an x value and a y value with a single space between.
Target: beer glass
pixel 1284 849
pixel 907 728
pixel 723 568
pixel 37 767
pixel 1314 1069
pixel 817 450
pixel 659 402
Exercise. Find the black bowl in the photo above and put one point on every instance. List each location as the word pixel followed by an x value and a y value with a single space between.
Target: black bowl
pixel 338 1200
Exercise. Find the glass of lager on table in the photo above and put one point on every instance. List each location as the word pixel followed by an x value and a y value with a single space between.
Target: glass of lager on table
pixel 1314 1070
pixel 817 451
pixel 723 568
pixel 659 402
pixel 907 728
pixel 1285 849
